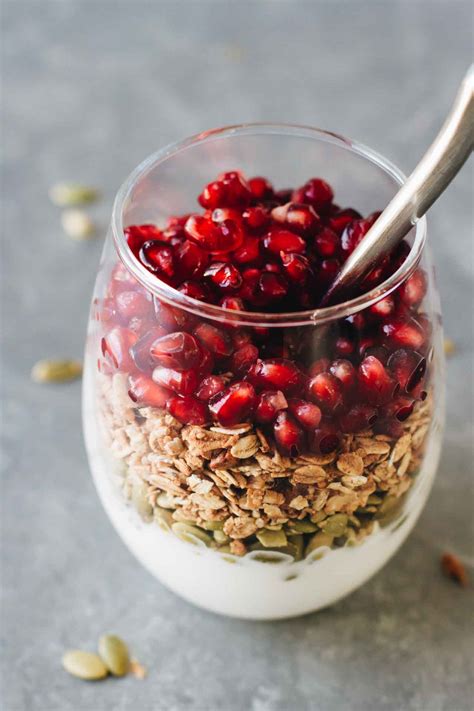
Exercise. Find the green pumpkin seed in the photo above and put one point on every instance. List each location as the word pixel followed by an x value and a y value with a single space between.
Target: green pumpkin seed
pixel 304 526
pixel 213 525
pixel 374 499
pixel 140 501
pixel 163 518
pixel 56 371
pixel 220 537
pixel 318 541
pixel 272 539
pixel 84 665
pixel 71 194
pixel 114 653
pixel 189 534
pixel 318 517
pixel 295 547
pixel 335 525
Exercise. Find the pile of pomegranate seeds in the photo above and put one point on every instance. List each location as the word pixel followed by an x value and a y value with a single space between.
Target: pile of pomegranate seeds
pixel 258 249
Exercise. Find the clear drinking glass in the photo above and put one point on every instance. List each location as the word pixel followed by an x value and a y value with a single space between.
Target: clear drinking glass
pixel 219 514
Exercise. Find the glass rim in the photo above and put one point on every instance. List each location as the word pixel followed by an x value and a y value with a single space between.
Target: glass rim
pixel 315 316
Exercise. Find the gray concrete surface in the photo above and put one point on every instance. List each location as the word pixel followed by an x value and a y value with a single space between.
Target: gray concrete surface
pixel 89 89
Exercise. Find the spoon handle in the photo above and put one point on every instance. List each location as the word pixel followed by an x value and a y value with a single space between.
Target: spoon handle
pixel 443 159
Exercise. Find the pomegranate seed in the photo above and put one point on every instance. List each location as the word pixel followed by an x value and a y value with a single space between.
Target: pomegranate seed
pixel 223 275
pixel 366 345
pixel 328 270
pixel 319 366
pixel 270 402
pixel 325 438
pixel 315 192
pixel 413 291
pixel 233 303
pixel 276 373
pixel 206 365
pixel 209 387
pixel 182 382
pixel 289 436
pixel 146 393
pixel 306 413
pixel 297 267
pixel 279 240
pixel 379 352
pixel 256 217
pixel 140 351
pixel 120 280
pixel 214 339
pixel 359 417
pixel 177 350
pixel 248 252
pixel 344 371
pixel 213 195
pixel 408 367
pixel 326 391
pixel 172 318
pixel 261 188
pixel 136 235
pixel 405 334
pixel 158 259
pixel 342 218
pixel 243 358
pixel 234 404
pixel 141 326
pixel 401 408
pixel 188 410
pixel 221 237
pixel 389 426
pixel 375 383
pixel 133 303
pixel 344 346
pixel 196 291
pixel 326 243
pixel 240 337
pixel 272 287
pixel 383 308
pixel 191 260
pixel 301 218
pixel 116 346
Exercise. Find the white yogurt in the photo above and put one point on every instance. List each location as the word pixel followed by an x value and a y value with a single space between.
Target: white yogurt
pixel 247 588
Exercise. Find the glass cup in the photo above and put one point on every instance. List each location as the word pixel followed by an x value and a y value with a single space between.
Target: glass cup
pixel 254 519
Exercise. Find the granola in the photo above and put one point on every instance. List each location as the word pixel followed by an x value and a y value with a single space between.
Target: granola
pixel 231 484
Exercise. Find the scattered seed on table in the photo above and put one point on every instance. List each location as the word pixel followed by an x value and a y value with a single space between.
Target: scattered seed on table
pixel 77 224
pixel 56 370
pixel 453 568
pixel 137 669
pixel 114 653
pixel 71 194
pixel 84 665
pixel 449 347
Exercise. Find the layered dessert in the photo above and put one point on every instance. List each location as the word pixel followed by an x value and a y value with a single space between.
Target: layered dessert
pixel 241 440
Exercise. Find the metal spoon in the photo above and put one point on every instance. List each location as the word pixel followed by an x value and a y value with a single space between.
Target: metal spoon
pixel 443 159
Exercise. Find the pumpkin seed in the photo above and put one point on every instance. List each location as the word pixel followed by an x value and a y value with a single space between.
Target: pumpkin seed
pixel 272 539
pixel 163 518
pixel 294 547
pixel 304 526
pixel 318 541
pixel 318 517
pixel 220 537
pixel 77 224
pixel 335 525
pixel 56 370
pixel 84 665
pixel 140 501
pixel 70 194
pixel 213 525
pixel 114 653
pixel 189 534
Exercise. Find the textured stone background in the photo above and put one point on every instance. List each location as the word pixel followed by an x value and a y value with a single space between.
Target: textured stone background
pixel 89 89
